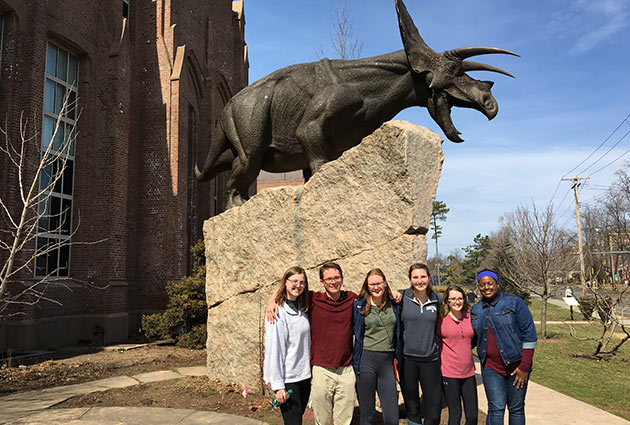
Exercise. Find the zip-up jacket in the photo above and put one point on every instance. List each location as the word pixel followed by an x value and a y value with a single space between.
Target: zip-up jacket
pixel 358 327
pixel 419 323
pixel 512 326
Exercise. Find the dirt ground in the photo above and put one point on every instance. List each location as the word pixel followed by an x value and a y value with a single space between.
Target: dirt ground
pixel 76 365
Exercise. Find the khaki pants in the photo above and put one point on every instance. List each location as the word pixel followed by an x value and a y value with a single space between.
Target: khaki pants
pixel 332 394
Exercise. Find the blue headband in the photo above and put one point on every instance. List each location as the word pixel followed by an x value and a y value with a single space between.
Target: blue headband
pixel 488 273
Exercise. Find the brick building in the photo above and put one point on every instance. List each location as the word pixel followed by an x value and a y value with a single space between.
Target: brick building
pixel 150 78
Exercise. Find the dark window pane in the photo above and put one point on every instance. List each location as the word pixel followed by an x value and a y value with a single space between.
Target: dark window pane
pixel 64 260
pixel 72 100
pixel 47 132
pixel 56 174
pixel 60 94
pixel 44 177
pixel 49 95
pixel 55 212
pixel 62 64
pixel 40 261
pixel 42 211
pixel 66 216
pixel 53 256
pixel 67 177
pixel 73 70
pixel 51 59
pixel 58 141
pixel 71 132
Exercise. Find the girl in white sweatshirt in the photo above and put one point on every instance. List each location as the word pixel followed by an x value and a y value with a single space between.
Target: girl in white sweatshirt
pixel 288 347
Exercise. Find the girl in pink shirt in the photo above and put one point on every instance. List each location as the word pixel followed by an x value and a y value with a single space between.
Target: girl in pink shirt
pixel 458 370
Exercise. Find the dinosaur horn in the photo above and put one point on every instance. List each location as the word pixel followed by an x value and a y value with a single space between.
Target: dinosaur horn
pixel 466 52
pixel 476 66
pixel 413 42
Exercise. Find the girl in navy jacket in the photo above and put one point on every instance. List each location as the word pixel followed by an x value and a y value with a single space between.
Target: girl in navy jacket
pixel 376 326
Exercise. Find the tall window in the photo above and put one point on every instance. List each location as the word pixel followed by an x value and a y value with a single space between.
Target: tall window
pixel 1 39
pixel 125 8
pixel 55 223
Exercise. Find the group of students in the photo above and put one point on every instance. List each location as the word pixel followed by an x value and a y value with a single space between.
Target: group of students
pixel 327 345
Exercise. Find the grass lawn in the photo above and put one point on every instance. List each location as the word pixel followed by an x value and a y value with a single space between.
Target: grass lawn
pixel 601 383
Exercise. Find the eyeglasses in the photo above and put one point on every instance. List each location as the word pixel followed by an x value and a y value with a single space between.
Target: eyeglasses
pixel 333 279
pixel 456 300
pixel 297 282
pixel 376 285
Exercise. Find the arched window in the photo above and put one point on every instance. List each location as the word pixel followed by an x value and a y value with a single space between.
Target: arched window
pixel 57 179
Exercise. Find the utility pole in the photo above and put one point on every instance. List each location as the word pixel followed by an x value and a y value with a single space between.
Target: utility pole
pixel 576 184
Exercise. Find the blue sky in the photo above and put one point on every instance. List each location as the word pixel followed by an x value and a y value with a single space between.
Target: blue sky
pixel 571 91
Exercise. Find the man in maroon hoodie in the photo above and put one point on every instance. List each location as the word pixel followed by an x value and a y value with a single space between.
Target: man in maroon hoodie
pixel 333 379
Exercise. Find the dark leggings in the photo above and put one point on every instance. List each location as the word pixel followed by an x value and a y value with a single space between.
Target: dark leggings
pixel 293 409
pixel 458 390
pixel 429 375
pixel 376 373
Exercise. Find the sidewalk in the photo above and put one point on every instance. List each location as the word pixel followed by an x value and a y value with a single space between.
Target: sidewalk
pixel 28 408
pixel 543 407
pixel 576 313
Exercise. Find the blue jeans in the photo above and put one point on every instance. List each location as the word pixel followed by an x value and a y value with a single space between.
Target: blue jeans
pixel 500 393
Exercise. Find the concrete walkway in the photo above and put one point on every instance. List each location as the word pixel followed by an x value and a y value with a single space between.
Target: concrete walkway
pixel 543 407
pixel 29 407
pixel 577 314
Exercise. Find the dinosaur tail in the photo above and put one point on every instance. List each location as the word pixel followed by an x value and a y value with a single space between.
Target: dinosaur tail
pixel 219 158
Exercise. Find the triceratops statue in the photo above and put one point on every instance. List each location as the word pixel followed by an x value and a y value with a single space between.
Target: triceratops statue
pixel 302 116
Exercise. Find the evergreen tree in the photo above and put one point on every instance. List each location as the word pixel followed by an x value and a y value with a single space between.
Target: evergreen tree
pixel 438 214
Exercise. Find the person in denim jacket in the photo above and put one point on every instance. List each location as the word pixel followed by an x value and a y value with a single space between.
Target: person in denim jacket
pixel 506 338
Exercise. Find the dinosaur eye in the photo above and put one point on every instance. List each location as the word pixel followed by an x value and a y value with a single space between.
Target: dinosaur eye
pixel 451 67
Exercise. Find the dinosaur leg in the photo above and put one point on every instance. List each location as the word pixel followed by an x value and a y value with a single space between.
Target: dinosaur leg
pixel 310 132
pixel 307 174
pixel 249 139
pixel 326 110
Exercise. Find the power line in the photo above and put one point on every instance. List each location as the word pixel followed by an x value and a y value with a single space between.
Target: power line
pixel 600 145
pixel 625 120
pixel 607 152
pixel 614 160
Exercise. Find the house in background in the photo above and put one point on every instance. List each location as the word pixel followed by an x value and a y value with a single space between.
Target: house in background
pixel 150 79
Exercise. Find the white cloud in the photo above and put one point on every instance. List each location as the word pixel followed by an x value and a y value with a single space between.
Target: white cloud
pixel 589 23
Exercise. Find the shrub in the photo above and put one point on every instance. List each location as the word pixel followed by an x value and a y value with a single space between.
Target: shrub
pixel 587 306
pixel 196 338
pixel 186 315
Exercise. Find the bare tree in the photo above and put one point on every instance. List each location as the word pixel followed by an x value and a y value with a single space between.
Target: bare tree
pixel 611 304
pixel 536 251
pixel 39 166
pixel 346 44
pixel 609 295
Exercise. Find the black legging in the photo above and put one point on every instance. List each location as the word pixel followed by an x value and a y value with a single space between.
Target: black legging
pixel 376 373
pixel 456 391
pixel 293 409
pixel 429 375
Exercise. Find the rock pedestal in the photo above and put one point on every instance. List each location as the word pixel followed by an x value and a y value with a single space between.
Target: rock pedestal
pixel 369 208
